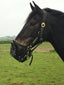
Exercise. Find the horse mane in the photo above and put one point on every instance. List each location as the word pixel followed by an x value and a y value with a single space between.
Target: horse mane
pixel 55 13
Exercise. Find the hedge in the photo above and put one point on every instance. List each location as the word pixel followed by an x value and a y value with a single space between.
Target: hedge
pixel 5 42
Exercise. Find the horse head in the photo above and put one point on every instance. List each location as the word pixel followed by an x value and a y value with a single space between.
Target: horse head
pixel 36 30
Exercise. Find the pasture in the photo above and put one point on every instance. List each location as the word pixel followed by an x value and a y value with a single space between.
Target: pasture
pixel 46 69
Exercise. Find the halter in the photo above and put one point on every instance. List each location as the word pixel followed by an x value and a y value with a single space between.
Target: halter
pixel 33 45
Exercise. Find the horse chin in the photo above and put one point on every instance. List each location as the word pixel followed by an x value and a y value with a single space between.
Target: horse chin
pixel 20 58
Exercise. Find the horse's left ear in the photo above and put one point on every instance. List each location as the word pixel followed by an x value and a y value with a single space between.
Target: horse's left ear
pixel 31 6
pixel 37 8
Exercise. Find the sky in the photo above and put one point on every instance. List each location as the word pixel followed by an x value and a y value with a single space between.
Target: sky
pixel 13 13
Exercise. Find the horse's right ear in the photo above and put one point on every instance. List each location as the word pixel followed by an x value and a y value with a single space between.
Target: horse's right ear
pixel 32 7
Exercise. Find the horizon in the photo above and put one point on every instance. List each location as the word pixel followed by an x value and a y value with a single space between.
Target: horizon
pixel 8 36
pixel 5 38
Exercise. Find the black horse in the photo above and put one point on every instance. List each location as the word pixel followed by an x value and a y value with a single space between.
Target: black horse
pixel 41 25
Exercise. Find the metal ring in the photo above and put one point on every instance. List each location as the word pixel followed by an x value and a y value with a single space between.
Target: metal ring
pixel 43 24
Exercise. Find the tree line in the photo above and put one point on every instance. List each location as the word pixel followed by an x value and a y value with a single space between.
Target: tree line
pixel 5 41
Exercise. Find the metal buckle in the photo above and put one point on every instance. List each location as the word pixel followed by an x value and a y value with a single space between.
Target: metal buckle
pixel 43 24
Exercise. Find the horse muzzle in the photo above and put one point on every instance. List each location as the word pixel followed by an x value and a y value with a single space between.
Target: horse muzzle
pixel 21 55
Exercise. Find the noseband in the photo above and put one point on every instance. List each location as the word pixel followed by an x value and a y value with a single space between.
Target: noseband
pixel 34 44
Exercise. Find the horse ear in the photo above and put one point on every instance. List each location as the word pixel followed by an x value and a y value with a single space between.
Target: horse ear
pixel 36 6
pixel 31 6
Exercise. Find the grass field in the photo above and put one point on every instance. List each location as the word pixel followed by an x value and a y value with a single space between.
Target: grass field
pixel 46 69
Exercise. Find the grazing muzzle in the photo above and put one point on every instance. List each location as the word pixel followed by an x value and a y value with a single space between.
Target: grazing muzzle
pixel 22 54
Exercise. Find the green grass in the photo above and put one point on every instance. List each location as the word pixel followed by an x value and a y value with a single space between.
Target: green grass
pixel 46 69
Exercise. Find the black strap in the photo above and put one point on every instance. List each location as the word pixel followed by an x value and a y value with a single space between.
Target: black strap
pixel 31 59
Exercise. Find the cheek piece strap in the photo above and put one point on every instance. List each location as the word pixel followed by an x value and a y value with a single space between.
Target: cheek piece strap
pixel 33 46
